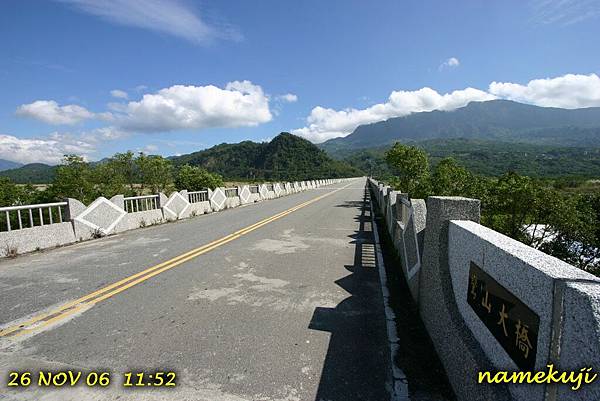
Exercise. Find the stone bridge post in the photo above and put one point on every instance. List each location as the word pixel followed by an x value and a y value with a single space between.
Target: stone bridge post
pixel 458 350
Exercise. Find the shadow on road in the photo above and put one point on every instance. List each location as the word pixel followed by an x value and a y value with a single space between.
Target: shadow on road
pixel 351 204
pixel 356 366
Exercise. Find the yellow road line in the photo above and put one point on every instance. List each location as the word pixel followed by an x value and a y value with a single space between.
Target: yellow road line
pixel 130 281
pixel 99 292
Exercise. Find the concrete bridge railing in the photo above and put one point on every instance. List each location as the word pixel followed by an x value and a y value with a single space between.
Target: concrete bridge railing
pixel 27 228
pixel 490 303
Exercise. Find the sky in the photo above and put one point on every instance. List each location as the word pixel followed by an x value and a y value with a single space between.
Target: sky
pixel 169 77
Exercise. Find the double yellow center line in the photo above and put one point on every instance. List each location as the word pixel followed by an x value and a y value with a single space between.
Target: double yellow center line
pixel 39 321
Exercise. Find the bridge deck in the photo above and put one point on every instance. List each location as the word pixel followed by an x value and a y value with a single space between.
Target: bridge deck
pixel 290 310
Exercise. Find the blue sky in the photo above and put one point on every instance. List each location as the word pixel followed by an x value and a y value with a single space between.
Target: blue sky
pixel 96 77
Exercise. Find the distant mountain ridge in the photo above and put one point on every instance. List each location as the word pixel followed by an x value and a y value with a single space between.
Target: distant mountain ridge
pixel 34 173
pixel 499 120
pixel 7 165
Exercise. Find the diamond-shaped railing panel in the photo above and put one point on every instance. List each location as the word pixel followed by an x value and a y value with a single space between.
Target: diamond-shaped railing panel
pixel 263 191
pixel 176 204
pixel 101 215
pixel 217 199
pixel 245 194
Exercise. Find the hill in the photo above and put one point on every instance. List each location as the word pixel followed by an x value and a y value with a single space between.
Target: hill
pixel 286 157
pixel 7 165
pixel 34 173
pixel 495 120
pixel 491 158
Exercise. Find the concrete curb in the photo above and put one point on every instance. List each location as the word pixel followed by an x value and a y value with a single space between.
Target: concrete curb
pixel 399 380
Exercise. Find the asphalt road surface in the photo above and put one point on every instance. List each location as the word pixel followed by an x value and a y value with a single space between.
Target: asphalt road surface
pixel 286 309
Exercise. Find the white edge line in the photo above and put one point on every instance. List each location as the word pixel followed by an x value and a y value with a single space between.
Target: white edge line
pixel 399 381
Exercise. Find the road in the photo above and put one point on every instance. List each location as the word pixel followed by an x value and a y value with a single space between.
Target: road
pixel 286 309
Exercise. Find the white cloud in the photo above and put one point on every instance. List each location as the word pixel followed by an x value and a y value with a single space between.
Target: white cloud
pixel 119 94
pixel 179 107
pixel 569 91
pixel 288 97
pixel 452 62
pixel 149 149
pixel 50 112
pixel 172 17
pixel 243 104
pixel 42 150
pixel 51 148
pixel 104 134
pixel 564 12
pixel 325 123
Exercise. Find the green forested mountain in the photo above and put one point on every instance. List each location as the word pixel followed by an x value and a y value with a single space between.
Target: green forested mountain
pixel 286 157
pixel 238 159
pixel 490 158
pixel 495 120
pixel 34 173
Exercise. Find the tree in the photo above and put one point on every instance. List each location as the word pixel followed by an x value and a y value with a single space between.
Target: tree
pixel 451 179
pixel 510 203
pixel 411 168
pixel 74 179
pixel 561 224
pixel 12 194
pixel 527 210
pixel 109 179
pixel 155 173
pixel 195 178
pixel 125 163
pixel 576 238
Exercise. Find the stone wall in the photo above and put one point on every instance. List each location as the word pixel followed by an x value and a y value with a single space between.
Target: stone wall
pixel 483 296
pixel 36 238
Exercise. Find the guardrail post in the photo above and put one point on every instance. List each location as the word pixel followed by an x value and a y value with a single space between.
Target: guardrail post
pixel 162 199
pixel 73 209
pixel 119 200
pixel 401 198
pixel 390 211
pixel 453 341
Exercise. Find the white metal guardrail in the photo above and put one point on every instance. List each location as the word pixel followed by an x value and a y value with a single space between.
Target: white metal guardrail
pixel 231 192
pixel 141 203
pixel 197 196
pixel 24 216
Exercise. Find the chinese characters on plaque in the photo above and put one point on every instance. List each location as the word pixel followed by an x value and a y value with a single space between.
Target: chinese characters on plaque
pixel 510 321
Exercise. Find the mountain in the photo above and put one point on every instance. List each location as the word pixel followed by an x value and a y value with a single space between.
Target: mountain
pixel 490 158
pixel 286 157
pixel 7 165
pixel 497 120
pixel 34 173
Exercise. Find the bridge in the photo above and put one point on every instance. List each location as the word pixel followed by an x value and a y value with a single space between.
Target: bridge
pixel 313 290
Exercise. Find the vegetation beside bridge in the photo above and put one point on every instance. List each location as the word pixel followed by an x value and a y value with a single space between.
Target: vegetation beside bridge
pixel 540 213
